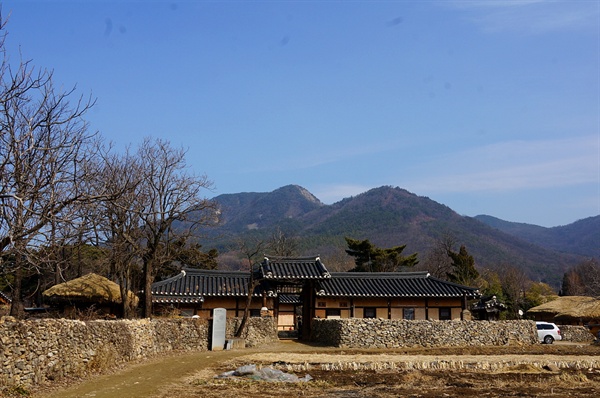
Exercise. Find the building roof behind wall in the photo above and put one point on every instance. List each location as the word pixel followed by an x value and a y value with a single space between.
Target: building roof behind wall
pixel 391 284
pixel 289 299
pixel 293 268
pixel 90 288
pixel 191 286
pixel 4 298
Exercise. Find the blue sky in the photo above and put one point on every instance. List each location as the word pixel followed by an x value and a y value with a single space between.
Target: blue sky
pixel 488 107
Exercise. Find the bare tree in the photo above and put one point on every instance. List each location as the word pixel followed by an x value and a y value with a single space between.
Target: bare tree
pixel 170 207
pixel 514 285
pixel 252 249
pixel 338 260
pixel 436 260
pixel 117 222
pixel 44 158
pixel 282 245
pixel 582 280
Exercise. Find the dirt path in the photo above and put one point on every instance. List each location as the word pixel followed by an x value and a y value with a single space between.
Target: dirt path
pixel 149 377
pixel 369 373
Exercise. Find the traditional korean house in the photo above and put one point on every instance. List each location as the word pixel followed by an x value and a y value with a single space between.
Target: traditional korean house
pixel 296 290
pixel 488 308
pixel 568 310
pixel 197 292
pixel 5 302
pixel 280 286
pixel 5 299
pixel 391 295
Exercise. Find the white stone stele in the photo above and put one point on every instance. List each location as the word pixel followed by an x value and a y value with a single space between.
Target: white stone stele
pixel 218 330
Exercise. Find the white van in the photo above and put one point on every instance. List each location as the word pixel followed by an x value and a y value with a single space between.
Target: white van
pixel 548 332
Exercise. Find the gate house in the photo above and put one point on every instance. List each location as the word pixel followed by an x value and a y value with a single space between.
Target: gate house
pixel 296 290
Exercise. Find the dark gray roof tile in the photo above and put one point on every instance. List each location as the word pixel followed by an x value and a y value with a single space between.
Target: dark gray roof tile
pixel 391 284
pixel 289 298
pixel 287 268
pixel 192 284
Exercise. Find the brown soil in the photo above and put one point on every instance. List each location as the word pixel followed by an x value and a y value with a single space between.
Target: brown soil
pixel 558 370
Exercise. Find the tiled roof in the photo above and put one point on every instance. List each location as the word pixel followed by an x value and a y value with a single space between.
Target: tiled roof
pixel 289 299
pixel 391 284
pixel 5 297
pixel 191 286
pixel 300 268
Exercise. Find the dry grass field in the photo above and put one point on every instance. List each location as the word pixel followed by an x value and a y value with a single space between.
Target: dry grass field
pixel 558 370
pixel 543 371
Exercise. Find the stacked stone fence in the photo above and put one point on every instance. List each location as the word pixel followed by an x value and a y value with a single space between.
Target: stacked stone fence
pixel 578 334
pixel 384 333
pixel 34 351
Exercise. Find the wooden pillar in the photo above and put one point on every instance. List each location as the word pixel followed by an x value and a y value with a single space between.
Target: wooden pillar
pixel 308 309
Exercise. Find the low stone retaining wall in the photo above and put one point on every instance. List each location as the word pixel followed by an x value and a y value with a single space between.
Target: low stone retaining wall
pixel 48 349
pixel 384 333
pixel 579 334
pixel 259 331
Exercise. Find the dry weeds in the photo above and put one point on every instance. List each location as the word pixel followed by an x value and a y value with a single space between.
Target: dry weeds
pixel 560 370
pixel 358 375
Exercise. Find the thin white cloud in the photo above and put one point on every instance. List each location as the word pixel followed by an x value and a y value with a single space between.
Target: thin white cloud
pixel 515 165
pixel 531 16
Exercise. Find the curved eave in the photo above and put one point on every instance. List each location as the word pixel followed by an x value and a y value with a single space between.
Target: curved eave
pixel 285 278
pixel 395 296
pixel 242 294
pixel 178 300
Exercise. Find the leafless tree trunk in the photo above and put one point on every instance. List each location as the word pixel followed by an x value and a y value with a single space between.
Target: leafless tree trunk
pixel 44 160
pixel 169 195
pixel 282 245
pixel 251 250
pixel 436 260
pixel 118 225
pixel 514 285
pixel 582 280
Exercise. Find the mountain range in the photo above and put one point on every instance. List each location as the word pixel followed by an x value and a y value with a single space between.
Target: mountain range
pixel 391 216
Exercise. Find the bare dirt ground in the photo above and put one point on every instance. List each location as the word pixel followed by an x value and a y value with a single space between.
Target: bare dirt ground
pixel 558 370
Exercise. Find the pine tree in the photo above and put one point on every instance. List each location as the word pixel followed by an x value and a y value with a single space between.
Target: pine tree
pixel 463 268
pixel 370 258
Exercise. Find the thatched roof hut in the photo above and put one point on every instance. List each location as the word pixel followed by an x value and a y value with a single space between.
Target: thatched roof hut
pixel 568 310
pixel 90 288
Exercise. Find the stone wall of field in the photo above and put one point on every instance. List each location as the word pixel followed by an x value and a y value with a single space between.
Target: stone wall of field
pixel 579 334
pixel 48 349
pixel 384 333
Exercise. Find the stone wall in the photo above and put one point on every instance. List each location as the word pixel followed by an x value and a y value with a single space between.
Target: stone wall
pixel 259 331
pixel 47 349
pixel 384 333
pixel 579 334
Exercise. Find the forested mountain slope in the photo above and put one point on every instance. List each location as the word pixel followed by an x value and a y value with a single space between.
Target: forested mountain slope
pixel 387 216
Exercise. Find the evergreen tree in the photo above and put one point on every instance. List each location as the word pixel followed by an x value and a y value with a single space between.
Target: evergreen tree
pixel 370 258
pixel 463 268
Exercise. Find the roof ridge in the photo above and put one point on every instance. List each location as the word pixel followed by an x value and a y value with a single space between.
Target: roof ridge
pixel 378 275
pixel 212 271
pixel 314 258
